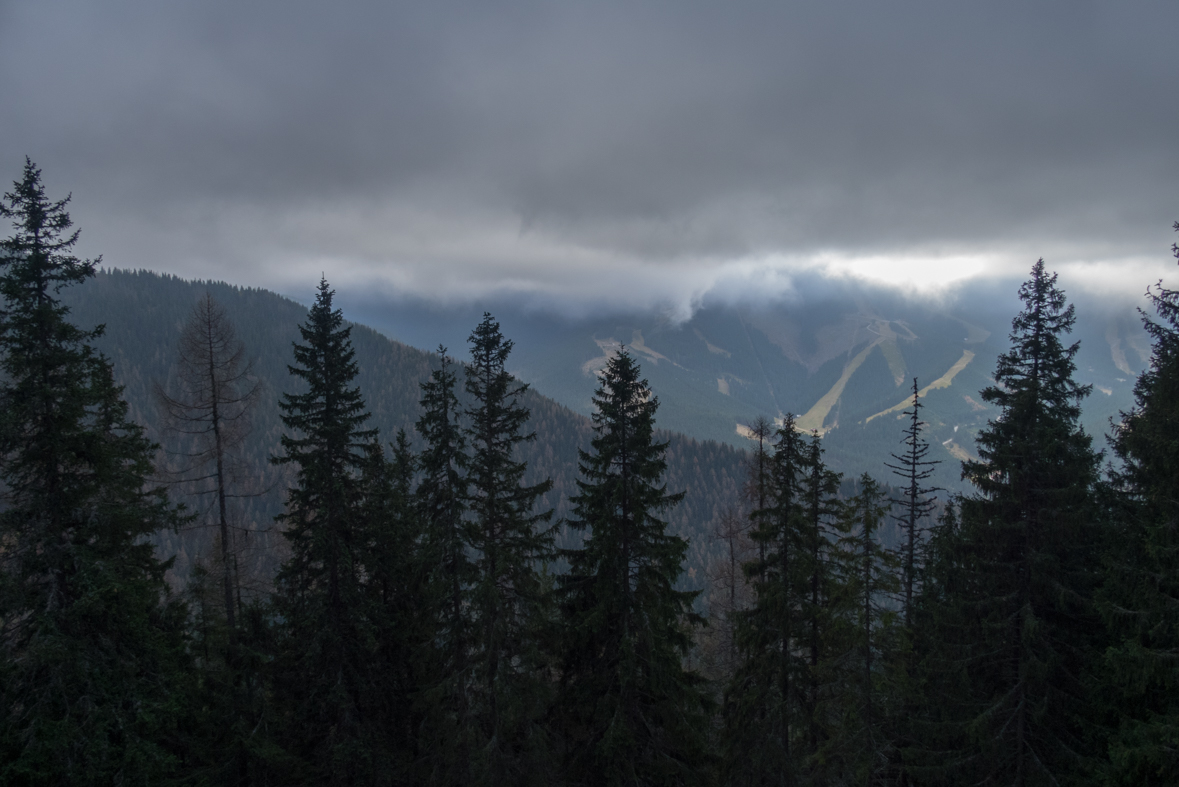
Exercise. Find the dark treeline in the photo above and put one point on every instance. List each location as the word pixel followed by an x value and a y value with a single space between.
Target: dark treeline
pixel 144 315
pixel 438 612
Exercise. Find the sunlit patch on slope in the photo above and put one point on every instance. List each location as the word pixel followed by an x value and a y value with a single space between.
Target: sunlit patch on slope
pixel 812 420
pixel 1115 348
pixel 712 348
pixel 942 382
pixel 958 452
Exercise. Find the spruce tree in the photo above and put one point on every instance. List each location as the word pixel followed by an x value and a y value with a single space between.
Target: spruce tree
pixel 765 719
pixel 1141 602
pixel 396 583
pixel 861 742
pixel 510 539
pixel 916 504
pixel 449 572
pixel 90 642
pixel 1017 617
pixel 759 482
pixel 324 670
pixel 629 711
pixel 822 567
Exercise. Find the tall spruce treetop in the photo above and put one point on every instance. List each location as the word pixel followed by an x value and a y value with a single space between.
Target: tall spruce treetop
pixel 87 650
pixel 916 504
pixel 441 502
pixel 500 502
pixel 509 539
pixel 1040 401
pixel 820 564
pixel 450 571
pixel 1028 552
pixel 326 659
pixel 328 448
pixel 764 704
pixel 632 714
pixel 1141 599
pixel 328 416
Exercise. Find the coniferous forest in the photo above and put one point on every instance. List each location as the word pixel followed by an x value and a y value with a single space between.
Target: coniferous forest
pixel 444 603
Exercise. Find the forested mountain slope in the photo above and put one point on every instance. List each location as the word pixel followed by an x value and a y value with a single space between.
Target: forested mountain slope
pixel 144 313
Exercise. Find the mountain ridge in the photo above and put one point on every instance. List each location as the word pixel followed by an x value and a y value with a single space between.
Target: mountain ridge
pixel 840 361
pixel 143 313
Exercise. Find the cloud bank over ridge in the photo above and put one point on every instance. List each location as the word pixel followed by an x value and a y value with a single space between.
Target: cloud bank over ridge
pixel 647 153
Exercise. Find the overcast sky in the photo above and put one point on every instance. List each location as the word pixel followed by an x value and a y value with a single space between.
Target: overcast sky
pixel 640 152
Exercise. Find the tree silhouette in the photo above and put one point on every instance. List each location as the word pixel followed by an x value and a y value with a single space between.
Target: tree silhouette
pixel 915 469
pixel 1016 615
pixel 506 533
pixel 630 712
pixel 211 406
pixel 90 644
pixel 324 667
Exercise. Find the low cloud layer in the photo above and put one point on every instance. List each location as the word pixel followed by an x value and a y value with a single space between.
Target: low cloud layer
pixel 646 153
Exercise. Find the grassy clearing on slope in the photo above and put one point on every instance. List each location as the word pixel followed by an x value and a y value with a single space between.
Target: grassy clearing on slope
pixel 941 382
pixel 813 419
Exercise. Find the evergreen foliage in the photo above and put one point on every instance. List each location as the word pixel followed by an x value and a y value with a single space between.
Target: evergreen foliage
pixel 1141 602
pixel 764 715
pixel 759 482
pixel 396 582
pixel 325 662
pixel 860 745
pixel 140 311
pixel 824 601
pixel 440 502
pixel 630 712
pixel 1016 615
pixel 508 596
pixel 415 635
pixel 90 642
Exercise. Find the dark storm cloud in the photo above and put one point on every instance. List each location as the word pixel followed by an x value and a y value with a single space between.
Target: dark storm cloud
pixel 549 145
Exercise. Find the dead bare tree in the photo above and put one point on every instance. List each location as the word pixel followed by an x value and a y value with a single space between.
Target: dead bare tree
pixel 728 590
pixel 209 413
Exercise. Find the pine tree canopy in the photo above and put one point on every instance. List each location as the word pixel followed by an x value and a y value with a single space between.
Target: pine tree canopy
pixel 1141 600
pixel 633 714
pixel 1019 620
pixel 324 672
pixel 90 645
pixel 916 504
pixel 764 700
pixel 449 572
pixel 510 540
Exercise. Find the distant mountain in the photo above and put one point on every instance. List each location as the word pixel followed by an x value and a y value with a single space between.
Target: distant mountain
pixel 144 312
pixel 841 358
pixel 843 361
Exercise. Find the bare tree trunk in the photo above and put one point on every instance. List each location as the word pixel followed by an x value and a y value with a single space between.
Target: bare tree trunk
pixel 209 414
